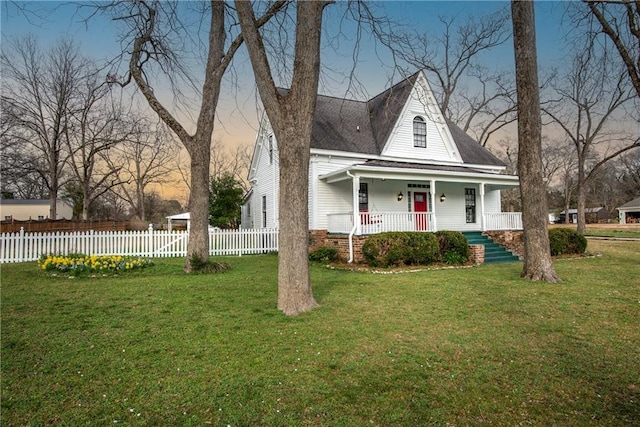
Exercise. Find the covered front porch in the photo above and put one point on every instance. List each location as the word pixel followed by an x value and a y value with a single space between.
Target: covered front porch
pixel 370 199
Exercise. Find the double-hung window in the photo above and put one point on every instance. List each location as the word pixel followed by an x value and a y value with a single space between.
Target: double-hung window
pixel 470 204
pixel 419 132
pixel 264 211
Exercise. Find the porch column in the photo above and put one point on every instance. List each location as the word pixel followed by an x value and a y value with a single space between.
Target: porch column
pixel 356 203
pixel 483 223
pixel 432 185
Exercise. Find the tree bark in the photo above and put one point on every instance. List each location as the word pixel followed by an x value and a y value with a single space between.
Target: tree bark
pixel 537 253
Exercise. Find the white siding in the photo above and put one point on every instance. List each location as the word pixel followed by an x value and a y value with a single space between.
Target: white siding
pixel 440 147
pixel 266 184
pixel 328 198
pixel 450 214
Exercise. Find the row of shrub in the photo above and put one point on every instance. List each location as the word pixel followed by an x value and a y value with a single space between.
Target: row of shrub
pixel 415 248
pixel 448 247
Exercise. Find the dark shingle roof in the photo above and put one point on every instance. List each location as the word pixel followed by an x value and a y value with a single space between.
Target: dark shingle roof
pixel 385 109
pixel 364 127
pixel 470 150
pixel 343 125
pixel 635 203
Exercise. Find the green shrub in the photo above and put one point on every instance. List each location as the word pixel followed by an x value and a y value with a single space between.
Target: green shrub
pixel 566 241
pixel 453 258
pixel 324 254
pixel 400 248
pixel 454 247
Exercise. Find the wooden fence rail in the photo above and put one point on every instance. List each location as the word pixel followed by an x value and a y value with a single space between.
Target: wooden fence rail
pixel 22 246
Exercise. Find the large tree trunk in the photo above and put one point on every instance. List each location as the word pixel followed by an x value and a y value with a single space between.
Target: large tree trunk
pixel 294 289
pixel 198 245
pixel 537 254
pixel 291 116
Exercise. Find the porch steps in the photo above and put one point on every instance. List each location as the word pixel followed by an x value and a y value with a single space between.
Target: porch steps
pixel 493 252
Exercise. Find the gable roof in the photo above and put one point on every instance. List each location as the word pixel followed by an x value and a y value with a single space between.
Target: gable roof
pixel 635 203
pixel 364 126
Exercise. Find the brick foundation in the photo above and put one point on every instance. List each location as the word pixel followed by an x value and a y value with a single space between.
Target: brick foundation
pixel 476 254
pixel 319 238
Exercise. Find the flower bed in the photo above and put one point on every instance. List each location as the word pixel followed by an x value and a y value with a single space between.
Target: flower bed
pixel 105 264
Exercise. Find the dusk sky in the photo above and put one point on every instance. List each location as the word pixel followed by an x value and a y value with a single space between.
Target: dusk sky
pixel 238 114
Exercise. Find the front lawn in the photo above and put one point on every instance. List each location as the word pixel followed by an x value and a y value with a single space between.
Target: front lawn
pixel 453 346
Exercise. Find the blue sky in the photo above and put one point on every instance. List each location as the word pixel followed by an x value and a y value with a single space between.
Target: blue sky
pixel 50 21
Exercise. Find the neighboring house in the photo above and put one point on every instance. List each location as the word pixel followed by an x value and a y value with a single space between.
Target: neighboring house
pixel 629 213
pixel 592 215
pixel 25 210
pixel 393 163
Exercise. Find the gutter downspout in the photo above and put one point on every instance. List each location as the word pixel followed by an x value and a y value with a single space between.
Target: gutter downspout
pixel 356 220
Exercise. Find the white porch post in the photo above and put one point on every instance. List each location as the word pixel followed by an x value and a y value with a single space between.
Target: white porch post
pixel 483 223
pixel 356 204
pixel 432 184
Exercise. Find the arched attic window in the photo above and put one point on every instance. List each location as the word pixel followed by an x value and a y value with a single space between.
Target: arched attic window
pixel 419 132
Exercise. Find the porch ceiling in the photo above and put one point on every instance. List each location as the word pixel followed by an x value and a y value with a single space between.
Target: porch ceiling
pixel 422 172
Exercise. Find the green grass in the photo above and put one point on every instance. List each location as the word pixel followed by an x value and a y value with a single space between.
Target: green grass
pixel 444 347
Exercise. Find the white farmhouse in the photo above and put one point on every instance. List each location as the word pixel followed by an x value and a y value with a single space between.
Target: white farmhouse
pixel 392 163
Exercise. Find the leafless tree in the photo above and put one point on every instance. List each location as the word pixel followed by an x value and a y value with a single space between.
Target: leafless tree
pixel 563 156
pixel 156 37
pixel 590 109
pixel 537 253
pixel 38 91
pixel 96 123
pixel 452 62
pixel 628 168
pixel 234 162
pixel 619 21
pixel 291 116
pixel 18 179
pixel 147 157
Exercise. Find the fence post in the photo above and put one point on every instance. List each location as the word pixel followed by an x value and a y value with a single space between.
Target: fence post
pixel 150 242
pixel 21 245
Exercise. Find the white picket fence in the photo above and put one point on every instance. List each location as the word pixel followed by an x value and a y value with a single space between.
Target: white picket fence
pixel 22 246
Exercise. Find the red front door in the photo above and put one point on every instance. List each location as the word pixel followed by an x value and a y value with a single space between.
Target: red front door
pixel 420 209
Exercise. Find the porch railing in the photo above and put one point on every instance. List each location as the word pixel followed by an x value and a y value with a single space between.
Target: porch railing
pixel 503 221
pixel 379 222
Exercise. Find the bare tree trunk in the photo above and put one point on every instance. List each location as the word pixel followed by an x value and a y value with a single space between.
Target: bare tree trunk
pixel 53 205
pixel 582 198
pixel 199 203
pixel 537 253
pixel 294 288
pixel 291 116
